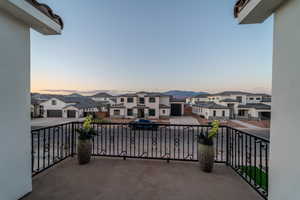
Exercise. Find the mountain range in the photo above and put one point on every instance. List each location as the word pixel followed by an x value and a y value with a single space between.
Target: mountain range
pixel 181 94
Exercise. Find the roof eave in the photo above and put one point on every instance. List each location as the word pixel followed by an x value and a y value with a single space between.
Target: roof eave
pixel 256 11
pixel 31 16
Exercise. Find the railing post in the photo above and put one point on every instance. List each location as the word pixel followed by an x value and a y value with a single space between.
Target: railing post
pixel 72 139
pixel 227 145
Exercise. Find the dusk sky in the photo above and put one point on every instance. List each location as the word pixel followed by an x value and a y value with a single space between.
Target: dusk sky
pixel 152 45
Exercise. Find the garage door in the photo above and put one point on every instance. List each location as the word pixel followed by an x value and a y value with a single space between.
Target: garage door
pixel 71 113
pixel 176 110
pixel 54 113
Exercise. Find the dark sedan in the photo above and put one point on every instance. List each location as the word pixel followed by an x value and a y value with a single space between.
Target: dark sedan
pixel 143 124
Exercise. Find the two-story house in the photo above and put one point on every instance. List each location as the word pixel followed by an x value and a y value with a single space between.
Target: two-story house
pixel 145 105
pixel 103 101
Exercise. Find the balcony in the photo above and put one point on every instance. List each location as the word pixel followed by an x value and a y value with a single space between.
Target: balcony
pixel 106 178
pixel 147 164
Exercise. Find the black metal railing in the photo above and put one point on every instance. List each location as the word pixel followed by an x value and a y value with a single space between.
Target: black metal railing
pixel 248 155
pixel 167 142
pixel 245 153
pixel 51 145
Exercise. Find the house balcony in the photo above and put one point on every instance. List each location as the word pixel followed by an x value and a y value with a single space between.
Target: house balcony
pixel 147 164
pixel 114 178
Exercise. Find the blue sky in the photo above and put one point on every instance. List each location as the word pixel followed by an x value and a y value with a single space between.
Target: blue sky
pixel 152 45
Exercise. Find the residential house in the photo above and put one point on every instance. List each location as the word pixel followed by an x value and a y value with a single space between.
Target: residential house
pixel 242 105
pixel 211 110
pixel 104 101
pixel 59 106
pixel 146 105
pixel 197 98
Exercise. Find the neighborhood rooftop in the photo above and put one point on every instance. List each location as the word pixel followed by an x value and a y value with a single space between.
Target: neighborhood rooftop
pixel 259 106
pixel 102 94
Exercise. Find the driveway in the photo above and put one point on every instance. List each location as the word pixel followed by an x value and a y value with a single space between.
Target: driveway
pixel 44 122
pixel 186 120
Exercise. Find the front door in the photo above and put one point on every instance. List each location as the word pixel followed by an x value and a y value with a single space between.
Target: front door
pixel 141 113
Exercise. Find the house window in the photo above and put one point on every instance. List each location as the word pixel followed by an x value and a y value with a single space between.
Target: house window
pixel 130 100
pixel 251 98
pixel 152 99
pixel 223 113
pixel 152 112
pixel 53 102
pixel 122 99
pixel 164 111
pixel 142 100
pixel 117 112
pixel 129 112
pixel 258 98
pixel 239 98
pixel 214 113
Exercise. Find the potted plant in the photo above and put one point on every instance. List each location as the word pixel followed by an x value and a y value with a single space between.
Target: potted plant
pixel 206 148
pixel 84 148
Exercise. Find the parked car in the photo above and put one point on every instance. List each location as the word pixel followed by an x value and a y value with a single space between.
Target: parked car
pixel 143 124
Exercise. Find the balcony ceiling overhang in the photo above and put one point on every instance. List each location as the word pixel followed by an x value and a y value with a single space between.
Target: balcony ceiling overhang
pixel 255 11
pixel 38 16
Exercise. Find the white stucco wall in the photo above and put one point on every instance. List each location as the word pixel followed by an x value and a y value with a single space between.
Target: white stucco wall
pixel 285 136
pixel 219 113
pixel 48 105
pixel 15 143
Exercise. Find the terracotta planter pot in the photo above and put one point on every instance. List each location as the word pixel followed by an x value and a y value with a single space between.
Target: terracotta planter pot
pixel 84 151
pixel 206 157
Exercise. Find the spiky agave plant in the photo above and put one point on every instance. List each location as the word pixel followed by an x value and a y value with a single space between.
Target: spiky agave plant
pixel 208 139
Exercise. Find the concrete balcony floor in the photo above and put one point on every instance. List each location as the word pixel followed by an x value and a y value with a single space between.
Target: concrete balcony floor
pixel 131 179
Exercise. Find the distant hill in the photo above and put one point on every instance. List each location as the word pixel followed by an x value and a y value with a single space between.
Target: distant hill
pixel 180 94
pixel 75 95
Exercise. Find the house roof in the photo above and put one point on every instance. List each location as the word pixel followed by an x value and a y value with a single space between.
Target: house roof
pixel 35 101
pixel 102 94
pixel 147 94
pixel 47 11
pixel 227 93
pixel 210 105
pixel 239 6
pixel 78 102
pixel 201 96
pixel 258 106
pixel 229 100
pixel 259 94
